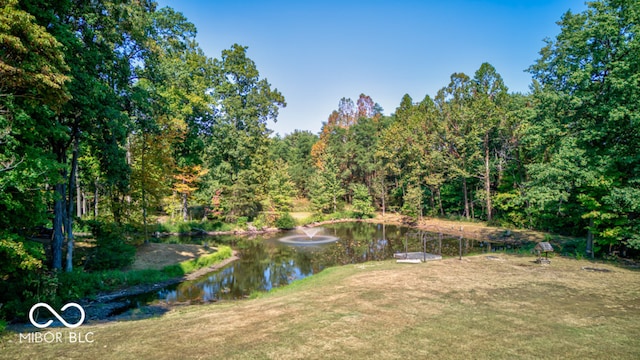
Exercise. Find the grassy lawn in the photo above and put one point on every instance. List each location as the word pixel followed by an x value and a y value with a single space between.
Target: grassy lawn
pixel 482 308
pixel 157 256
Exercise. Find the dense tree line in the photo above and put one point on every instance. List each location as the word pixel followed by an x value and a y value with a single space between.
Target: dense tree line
pixel 110 110
pixel 563 158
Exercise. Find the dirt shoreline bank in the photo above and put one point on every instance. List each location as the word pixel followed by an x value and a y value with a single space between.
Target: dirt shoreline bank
pixel 469 230
pixel 144 288
pixel 106 304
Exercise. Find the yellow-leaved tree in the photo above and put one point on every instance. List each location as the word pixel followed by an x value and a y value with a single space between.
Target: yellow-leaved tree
pixel 186 182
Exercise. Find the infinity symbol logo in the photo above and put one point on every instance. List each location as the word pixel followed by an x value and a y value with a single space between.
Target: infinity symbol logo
pixel 46 306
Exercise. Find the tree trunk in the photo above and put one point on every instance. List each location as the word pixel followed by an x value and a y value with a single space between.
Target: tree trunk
pixel 465 197
pixel 59 211
pixel 116 206
pixel 335 202
pixel 383 204
pixel 79 197
pixel 85 208
pixel 432 199
pixel 500 169
pixel 95 201
pixel 144 197
pixel 487 178
pixel 589 249
pixel 58 235
pixel 129 162
pixel 173 207
pixel 185 207
pixel 383 190
pixel 69 220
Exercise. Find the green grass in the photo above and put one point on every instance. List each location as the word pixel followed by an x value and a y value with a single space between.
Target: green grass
pixel 188 226
pixel 340 215
pixel 189 266
pixel 476 308
pixel 80 284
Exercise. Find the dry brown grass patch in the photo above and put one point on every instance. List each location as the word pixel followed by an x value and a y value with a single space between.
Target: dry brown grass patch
pixel 475 308
pixel 157 256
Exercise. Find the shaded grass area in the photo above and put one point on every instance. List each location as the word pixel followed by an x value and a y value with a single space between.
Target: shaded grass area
pixel 188 266
pixel 80 284
pixel 158 255
pixel 476 308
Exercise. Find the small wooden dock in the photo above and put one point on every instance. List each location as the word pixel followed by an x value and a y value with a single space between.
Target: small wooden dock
pixel 415 257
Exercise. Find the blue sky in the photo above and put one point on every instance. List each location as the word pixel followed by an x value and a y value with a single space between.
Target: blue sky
pixel 316 52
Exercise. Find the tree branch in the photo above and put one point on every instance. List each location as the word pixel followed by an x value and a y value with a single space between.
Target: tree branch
pixel 9 165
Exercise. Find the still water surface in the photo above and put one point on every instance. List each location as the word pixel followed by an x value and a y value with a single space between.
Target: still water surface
pixel 266 263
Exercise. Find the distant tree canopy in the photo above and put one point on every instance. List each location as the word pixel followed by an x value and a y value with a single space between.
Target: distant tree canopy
pixel 562 159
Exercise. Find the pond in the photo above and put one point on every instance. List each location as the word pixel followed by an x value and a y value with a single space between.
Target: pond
pixel 274 260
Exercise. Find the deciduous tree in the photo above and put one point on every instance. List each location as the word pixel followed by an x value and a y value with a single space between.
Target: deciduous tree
pixel 588 106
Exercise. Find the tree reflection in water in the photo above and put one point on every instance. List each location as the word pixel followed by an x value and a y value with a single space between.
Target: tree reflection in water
pixel 266 263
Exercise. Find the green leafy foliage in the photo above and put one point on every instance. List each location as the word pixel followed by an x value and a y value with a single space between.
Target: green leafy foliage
pixel 587 164
pixel 326 187
pixel 22 275
pixel 241 222
pixel 189 226
pixel 112 250
pixel 296 151
pixel 188 266
pixel 21 255
pixel 285 222
pixel 236 145
pixel 32 59
pixel 362 203
pixel 280 189
pixel 413 202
